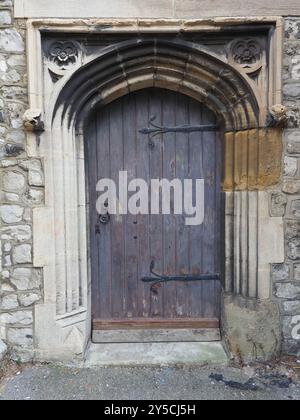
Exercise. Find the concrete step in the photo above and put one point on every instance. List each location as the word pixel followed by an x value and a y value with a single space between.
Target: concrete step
pixel 156 354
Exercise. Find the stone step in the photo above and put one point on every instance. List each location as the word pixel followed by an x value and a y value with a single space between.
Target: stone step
pixel 156 354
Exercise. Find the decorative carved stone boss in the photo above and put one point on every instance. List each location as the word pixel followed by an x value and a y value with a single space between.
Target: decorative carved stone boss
pixel 62 57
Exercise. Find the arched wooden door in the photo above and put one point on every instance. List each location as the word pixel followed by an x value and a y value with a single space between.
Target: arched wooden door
pixel 123 248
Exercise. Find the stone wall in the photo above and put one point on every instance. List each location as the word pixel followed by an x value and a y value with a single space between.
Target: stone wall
pixel 21 188
pixel 286 203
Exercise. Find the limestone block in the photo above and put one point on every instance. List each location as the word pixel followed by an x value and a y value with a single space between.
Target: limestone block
pixel 20 336
pixel 287 290
pixel 13 181
pixel 19 317
pixel 22 254
pixel 11 213
pixel 11 41
pixel 3 349
pixel 9 302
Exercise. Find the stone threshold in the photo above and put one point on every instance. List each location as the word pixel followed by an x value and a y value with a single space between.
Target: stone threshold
pixel 156 354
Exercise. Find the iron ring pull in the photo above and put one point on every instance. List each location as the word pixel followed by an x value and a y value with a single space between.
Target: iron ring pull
pixel 158 278
pixel 103 219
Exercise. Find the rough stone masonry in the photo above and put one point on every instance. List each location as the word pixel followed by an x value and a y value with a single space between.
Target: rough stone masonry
pixel 286 203
pixel 22 188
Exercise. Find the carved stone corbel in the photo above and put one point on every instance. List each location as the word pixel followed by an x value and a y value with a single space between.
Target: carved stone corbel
pixel 278 116
pixel 32 121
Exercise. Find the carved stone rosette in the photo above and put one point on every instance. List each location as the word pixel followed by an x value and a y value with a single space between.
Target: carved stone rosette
pixel 62 56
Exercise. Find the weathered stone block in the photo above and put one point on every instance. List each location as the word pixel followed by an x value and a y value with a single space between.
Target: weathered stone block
pixel 22 254
pixel 9 302
pixel 290 186
pixel 30 164
pixel 26 279
pixel 293 249
pixel 28 299
pixel 7 288
pixel 7 247
pixel 292 229
pixel 17 61
pixel 33 196
pixel 16 111
pixel 3 349
pixel 291 347
pixel 292 90
pixel 278 204
pixel 280 272
pixel 297 272
pixel 291 327
pixel 292 29
pixel 290 166
pixel 11 213
pixel 20 233
pixel 6 163
pixel 291 307
pixel 295 208
pixel 7 261
pixel 5 275
pixel 11 197
pixel 252 328
pixel 287 291
pixel 20 336
pixel 13 181
pixel 16 136
pixel 293 142
pixel 295 68
pixel 5 17
pixel 11 41
pixel 35 179
pixel 6 3
pixel 19 317
pixel 11 76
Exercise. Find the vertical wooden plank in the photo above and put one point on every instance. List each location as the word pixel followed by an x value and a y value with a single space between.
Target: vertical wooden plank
pixel 104 237
pixel 196 232
pixel 126 246
pixel 209 233
pixel 91 157
pixel 117 222
pixel 169 232
pixel 130 221
pixel 156 221
pixel 182 239
pixel 143 221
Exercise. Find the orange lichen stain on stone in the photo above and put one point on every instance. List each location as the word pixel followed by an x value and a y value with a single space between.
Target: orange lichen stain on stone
pixel 252 159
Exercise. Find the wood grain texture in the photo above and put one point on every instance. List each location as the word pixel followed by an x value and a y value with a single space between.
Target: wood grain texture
pixel 108 324
pixel 122 251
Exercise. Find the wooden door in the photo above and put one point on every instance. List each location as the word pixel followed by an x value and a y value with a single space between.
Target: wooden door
pixel 123 249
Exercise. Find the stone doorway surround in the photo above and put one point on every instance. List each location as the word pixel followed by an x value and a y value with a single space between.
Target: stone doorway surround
pixel 63 321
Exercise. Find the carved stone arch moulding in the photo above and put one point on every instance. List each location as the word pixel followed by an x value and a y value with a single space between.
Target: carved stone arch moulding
pixel 74 83
pixel 156 62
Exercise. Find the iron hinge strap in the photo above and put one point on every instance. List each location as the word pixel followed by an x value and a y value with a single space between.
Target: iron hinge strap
pixel 158 278
pixel 155 130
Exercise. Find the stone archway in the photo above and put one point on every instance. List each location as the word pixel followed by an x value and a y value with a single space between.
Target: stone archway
pixel 249 168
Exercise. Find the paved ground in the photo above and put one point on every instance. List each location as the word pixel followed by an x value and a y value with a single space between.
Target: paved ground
pixel 194 383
